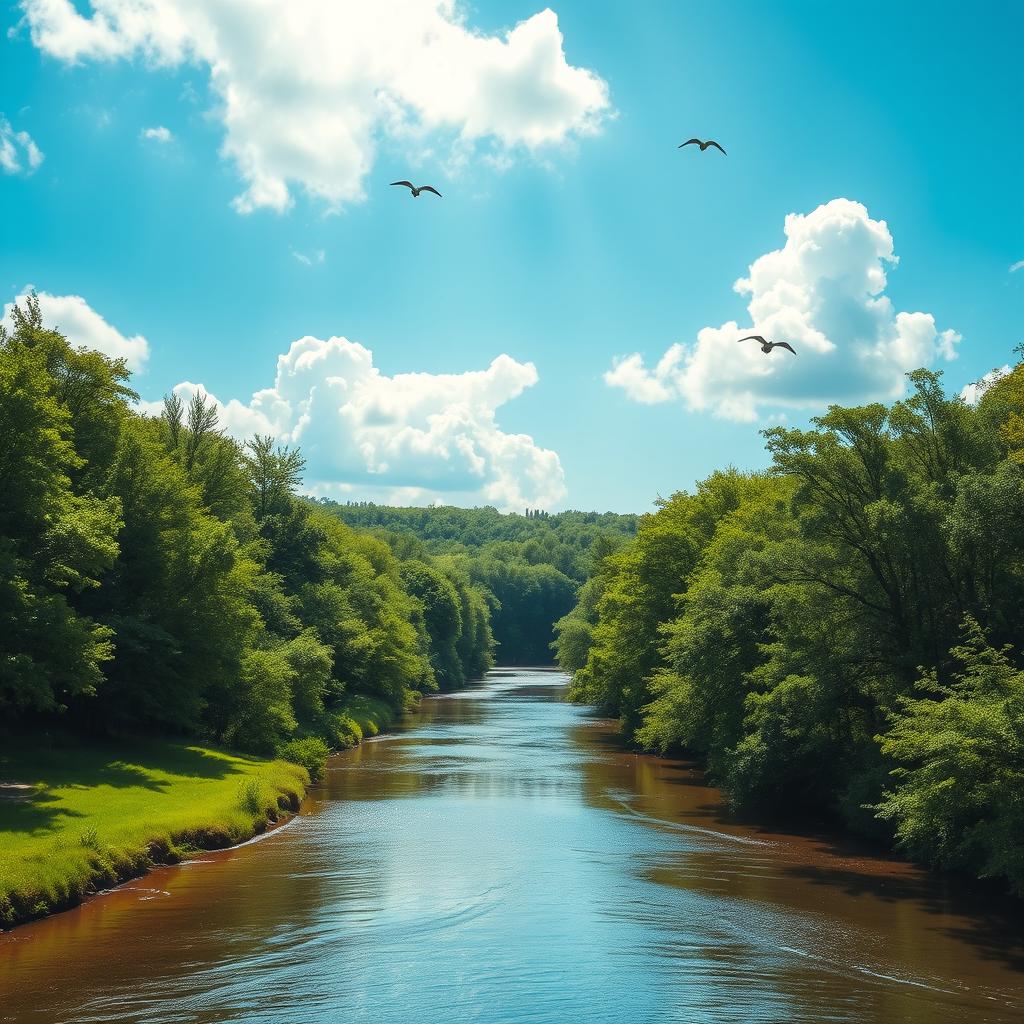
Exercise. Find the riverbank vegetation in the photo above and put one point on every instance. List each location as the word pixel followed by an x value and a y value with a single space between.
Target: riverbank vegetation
pixel 161 580
pixel 842 633
pixel 529 566
pixel 158 576
pixel 77 816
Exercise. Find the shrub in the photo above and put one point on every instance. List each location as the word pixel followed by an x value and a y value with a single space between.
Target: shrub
pixel 310 752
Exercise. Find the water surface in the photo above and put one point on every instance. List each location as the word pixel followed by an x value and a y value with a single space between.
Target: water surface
pixel 503 860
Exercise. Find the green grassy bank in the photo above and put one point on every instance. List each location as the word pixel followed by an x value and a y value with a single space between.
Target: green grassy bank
pixel 78 817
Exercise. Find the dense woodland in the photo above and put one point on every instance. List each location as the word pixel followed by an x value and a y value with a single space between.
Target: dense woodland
pixel 157 575
pixel 842 633
pixel 531 566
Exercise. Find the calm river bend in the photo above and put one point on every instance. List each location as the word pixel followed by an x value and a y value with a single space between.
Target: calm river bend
pixel 502 860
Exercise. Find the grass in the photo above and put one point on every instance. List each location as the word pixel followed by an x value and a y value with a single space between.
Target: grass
pixel 76 816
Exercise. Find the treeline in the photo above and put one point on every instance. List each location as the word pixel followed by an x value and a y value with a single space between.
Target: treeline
pixel 842 633
pixel 531 566
pixel 155 574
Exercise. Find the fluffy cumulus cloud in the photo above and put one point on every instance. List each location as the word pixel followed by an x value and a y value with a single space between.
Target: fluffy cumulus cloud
pixel 823 291
pixel 82 325
pixel 308 89
pixel 408 438
pixel 18 152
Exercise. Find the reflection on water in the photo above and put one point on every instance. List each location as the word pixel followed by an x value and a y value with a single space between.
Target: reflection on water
pixel 502 860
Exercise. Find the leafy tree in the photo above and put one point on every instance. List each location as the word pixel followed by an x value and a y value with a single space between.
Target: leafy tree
pixel 54 542
pixel 177 597
pixel 958 794
pixel 442 616
pixel 274 474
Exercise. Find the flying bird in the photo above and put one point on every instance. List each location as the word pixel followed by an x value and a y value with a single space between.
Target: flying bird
pixel 416 191
pixel 767 346
pixel 703 145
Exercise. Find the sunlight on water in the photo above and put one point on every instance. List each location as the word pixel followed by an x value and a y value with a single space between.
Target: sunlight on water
pixel 502 860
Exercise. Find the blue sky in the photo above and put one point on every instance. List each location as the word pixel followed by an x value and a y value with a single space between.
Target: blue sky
pixel 601 242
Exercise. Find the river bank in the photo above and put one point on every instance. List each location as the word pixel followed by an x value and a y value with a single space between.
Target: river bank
pixel 77 817
pixel 501 857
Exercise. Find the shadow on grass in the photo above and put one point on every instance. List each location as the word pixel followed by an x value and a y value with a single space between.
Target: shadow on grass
pixel 82 765
pixel 35 815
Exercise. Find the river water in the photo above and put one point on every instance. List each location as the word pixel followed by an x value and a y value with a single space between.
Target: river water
pixel 501 859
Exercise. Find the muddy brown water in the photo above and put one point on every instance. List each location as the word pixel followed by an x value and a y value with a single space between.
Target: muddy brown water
pixel 501 859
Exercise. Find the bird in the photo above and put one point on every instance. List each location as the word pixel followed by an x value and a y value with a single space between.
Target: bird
pixel 703 145
pixel 767 346
pixel 416 191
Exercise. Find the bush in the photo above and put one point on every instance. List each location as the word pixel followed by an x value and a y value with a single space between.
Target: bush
pixel 310 752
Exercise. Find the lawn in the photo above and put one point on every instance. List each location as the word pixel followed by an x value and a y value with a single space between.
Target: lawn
pixel 76 817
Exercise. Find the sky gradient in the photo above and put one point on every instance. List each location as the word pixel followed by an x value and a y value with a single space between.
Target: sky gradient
pixel 572 233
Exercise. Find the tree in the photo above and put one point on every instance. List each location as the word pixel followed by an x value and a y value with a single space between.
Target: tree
pixel 957 798
pixel 274 473
pixel 54 542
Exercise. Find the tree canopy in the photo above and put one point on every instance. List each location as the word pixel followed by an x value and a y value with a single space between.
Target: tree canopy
pixel 832 635
pixel 156 574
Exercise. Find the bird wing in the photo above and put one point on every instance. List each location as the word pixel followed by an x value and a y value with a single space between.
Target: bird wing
pixel 407 184
pixel 785 344
pixel 752 337
pixel 717 146
pixel 688 143
pixel 430 188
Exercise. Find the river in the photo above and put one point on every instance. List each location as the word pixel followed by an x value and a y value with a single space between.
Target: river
pixel 502 859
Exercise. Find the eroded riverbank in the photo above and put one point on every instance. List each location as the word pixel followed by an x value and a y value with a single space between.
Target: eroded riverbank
pixel 502 859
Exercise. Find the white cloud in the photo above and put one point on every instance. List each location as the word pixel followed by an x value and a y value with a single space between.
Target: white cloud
pixel 410 437
pixel 972 392
pixel 82 325
pixel 310 258
pixel 18 152
pixel 1014 267
pixel 157 134
pixel 308 89
pixel 641 384
pixel 824 292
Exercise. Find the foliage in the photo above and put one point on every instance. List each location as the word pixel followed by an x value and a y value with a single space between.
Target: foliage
pixel 310 752
pixel 958 798
pixel 774 625
pixel 527 568
pixel 157 575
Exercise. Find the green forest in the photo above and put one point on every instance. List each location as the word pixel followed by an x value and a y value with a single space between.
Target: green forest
pixel 531 566
pixel 838 635
pixel 158 576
